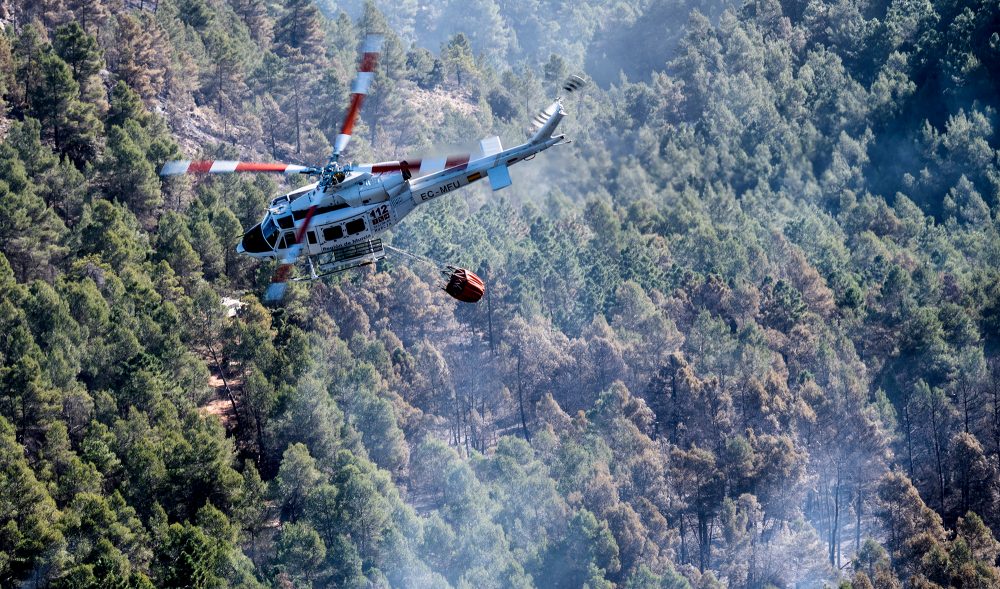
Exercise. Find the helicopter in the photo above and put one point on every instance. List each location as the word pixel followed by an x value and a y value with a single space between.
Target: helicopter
pixel 336 221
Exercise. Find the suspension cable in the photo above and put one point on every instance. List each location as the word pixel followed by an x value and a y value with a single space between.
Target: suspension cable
pixel 429 261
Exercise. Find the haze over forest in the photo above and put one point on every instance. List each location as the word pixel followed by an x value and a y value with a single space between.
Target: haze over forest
pixel 743 332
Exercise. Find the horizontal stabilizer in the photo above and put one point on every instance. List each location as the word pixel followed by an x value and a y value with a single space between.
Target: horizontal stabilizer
pixel 490 146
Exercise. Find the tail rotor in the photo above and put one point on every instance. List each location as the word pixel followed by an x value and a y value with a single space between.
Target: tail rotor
pixel 543 123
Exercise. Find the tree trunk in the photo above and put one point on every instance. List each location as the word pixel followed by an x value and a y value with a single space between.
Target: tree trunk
pixel 218 102
pixel 704 543
pixel 489 317
pixel 274 151
pixel 909 438
pixel 298 126
pixel 857 522
pixel 937 452
pixel 996 420
pixel 225 383
pixel 835 528
pixel 520 400
pixel 965 405
pixel 261 451
pixel 683 542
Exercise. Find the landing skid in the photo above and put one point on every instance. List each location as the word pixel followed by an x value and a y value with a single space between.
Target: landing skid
pixel 345 258
pixel 314 276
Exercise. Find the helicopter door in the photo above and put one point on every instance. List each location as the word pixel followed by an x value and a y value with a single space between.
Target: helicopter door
pixel 287 240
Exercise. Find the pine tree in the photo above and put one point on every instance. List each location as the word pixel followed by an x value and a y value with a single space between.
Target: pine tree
pixel 126 174
pixel 196 14
pixel 912 527
pixel 29 400
pixel 64 188
pixel 51 97
pixel 93 15
pixel 7 69
pixel 458 58
pixel 82 131
pixel 228 231
pixel 251 510
pixel 296 480
pixel 109 231
pixel 254 15
pixel 38 159
pixel 223 83
pixel 29 47
pixel 71 125
pixel 188 558
pixel 125 105
pixel 140 54
pixel 297 78
pixel 79 50
pixel 50 13
pixel 555 69
pixel 300 551
pixel 363 511
pixel 300 28
pixel 174 246
pixel 27 512
pixel 29 230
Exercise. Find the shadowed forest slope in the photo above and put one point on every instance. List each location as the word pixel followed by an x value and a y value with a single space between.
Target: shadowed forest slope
pixel 744 332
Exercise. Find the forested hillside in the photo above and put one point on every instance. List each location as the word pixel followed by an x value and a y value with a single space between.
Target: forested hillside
pixel 744 332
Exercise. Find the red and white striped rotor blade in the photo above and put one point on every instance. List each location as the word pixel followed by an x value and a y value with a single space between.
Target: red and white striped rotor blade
pixel 176 168
pixel 279 282
pixel 418 167
pixel 359 89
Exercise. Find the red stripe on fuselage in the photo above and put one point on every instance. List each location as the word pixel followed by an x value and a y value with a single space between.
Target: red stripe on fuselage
pixel 457 161
pixel 200 167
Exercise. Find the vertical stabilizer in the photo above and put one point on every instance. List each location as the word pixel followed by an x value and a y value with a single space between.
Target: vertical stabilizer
pixel 546 122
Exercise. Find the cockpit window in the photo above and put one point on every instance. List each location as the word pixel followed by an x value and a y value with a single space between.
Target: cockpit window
pixel 270 231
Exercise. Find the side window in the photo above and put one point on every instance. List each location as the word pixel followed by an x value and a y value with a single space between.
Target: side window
pixel 355 226
pixel 288 240
pixel 331 233
pixel 312 237
pixel 285 222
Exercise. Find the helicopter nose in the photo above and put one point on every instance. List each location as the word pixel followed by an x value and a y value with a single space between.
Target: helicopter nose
pixel 253 242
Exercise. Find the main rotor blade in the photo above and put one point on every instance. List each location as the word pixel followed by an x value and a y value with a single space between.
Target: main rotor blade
pixel 359 89
pixel 176 168
pixel 417 167
pixel 279 282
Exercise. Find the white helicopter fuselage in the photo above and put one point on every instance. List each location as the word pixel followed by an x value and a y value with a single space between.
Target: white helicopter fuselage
pixel 365 203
